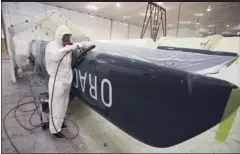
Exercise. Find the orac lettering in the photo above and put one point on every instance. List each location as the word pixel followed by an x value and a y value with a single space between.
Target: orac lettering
pixel 105 83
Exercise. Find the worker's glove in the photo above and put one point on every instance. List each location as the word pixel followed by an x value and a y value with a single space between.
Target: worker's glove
pixel 73 47
pixel 84 44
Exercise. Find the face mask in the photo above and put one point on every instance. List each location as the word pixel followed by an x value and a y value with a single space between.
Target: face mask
pixel 66 40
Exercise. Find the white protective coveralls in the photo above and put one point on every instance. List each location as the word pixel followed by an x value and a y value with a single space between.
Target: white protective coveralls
pixel 53 54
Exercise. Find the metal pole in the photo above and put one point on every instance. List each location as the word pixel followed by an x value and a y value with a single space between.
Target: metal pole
pixel 151 24
pixel 4 33
pixel 158 23
pixel 179 9
pixel 111 23
pixel 128 31
pixel 162 23
pixel 156 14
pixel 165 20
pixel 148 21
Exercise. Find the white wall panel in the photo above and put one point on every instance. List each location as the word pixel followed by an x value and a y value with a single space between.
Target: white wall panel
pixel 64 12
pixel 14 18
pixel 6 19
pixel 4 7
pixel 96 28
pixel 182 33
pixel 119 30
pixel 51 8
pixel 134 32
pixel 26 8
pixel 147 33
pixel 186 33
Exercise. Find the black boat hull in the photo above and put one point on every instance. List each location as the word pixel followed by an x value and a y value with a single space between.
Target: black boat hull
pixel 159 106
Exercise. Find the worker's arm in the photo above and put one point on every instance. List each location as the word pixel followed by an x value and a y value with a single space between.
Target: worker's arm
pixel 56 56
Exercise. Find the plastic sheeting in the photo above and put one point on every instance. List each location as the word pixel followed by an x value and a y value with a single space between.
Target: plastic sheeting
pixel 201 63
pixel 193 43
pixel 208 43
pixel 228 44
pixel 48 23
pixel 146 42
pixel 211 41
pixel 195 62
pixel 232 73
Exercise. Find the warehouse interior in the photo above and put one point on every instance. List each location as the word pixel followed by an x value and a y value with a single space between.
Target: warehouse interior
pixel 207 27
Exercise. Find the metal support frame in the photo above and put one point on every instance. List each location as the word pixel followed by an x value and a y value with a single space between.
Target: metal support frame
pixel 157 18
pixel 4 33
pixel 179 12
pixel 215 29
pixel 128 31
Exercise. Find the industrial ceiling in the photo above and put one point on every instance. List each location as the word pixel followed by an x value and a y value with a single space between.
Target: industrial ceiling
pixel 203 17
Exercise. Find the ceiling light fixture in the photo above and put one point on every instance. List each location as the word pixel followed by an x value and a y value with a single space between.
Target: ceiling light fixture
pixel 236 27
pixel 199 14
pixel 209 8
pixel 118 4
pixel 126 17
pixel 185 22
pixel 197 22
pixel 211 25
pixel 202 29
pixel 143 14
pixel 92 7
pixel 125 24
pixel 97 2
pixel 226 32
pixel 159 3
pixel 91 15
pixel 227 25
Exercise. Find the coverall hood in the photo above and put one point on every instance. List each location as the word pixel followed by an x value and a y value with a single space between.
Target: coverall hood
pixel 61 30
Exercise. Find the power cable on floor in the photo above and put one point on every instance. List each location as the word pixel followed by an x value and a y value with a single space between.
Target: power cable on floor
pixel 17 107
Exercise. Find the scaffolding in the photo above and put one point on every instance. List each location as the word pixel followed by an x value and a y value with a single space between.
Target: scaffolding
pixel 155 17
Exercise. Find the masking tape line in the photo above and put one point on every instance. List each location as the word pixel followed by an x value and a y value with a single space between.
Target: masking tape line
pixel 228 117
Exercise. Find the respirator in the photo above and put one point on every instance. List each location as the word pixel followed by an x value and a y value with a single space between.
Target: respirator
pixel 67 40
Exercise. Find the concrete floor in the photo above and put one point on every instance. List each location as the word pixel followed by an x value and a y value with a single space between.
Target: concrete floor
pixel 95 135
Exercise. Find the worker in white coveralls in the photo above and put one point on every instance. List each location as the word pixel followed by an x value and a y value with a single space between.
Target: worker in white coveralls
pixel 55 50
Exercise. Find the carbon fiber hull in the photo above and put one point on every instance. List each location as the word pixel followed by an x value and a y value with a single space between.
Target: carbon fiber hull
pixel 156 103
pixel 159 106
